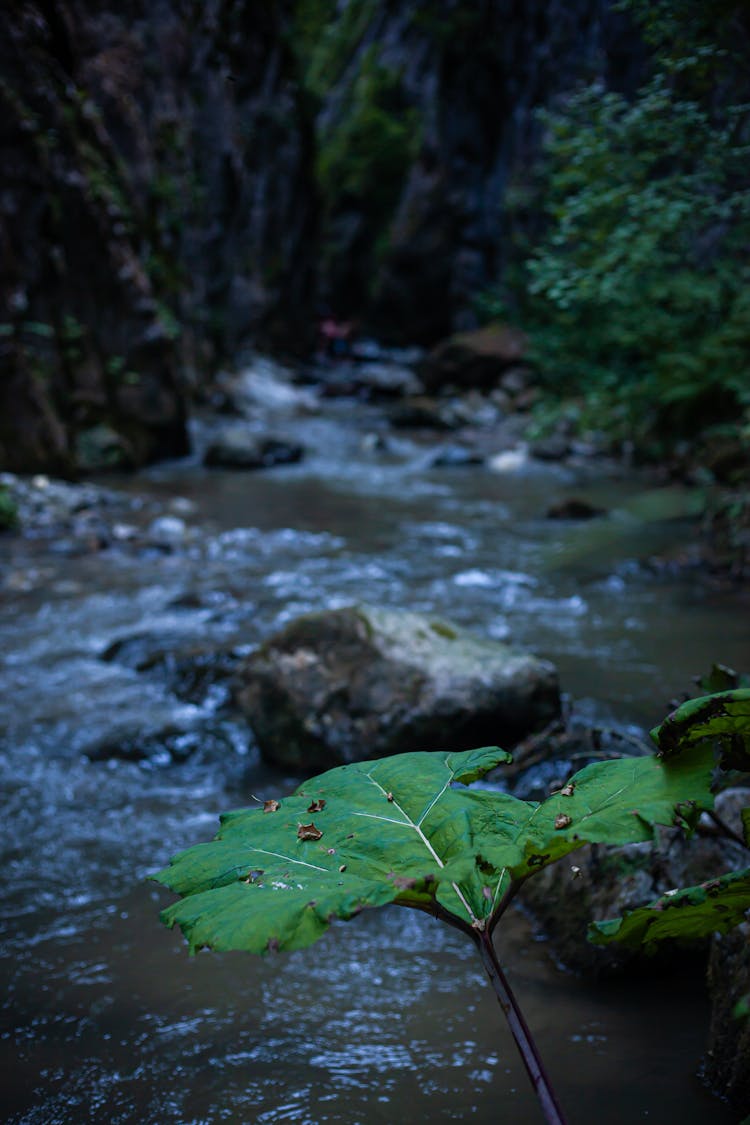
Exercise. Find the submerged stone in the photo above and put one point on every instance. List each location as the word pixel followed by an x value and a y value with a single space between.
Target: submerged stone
pixel 195 672
pixel 456 456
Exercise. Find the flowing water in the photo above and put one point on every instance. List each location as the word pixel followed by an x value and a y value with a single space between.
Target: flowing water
pixel 388 1018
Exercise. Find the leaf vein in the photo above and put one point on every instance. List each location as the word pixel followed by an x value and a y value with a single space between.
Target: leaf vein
pixel 410 823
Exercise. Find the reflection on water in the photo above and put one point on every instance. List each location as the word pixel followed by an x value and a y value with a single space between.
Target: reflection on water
pixel 115 1022
pixel 105 1018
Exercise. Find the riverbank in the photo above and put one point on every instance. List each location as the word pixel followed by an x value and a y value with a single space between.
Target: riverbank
pixel 470 405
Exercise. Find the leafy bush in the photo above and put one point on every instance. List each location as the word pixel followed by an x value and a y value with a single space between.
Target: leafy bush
pixel 642 286
pixel 638 293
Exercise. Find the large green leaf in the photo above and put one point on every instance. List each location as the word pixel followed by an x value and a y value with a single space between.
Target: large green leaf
pixel 265 882
pixel 405 829
pixel 723 718
pixel 691 913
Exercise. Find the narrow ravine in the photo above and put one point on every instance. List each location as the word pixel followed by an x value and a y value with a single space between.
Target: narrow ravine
pixel 104 1017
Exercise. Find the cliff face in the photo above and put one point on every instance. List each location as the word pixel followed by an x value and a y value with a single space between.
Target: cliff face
pixel 156 215
pixel 471 76
pixel 162 162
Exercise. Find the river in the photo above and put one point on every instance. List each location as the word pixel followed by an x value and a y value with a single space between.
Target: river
pixel 104 1016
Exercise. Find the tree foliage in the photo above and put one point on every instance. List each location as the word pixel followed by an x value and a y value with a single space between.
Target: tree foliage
pixel 363 157
pixel 367 134
pixel 638 292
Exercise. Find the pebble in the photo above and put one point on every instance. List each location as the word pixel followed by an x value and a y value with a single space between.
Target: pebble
pixel 167 529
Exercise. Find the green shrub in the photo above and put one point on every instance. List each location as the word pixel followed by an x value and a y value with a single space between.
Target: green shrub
pixel 638 291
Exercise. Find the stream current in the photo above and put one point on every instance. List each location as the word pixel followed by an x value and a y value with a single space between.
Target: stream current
pixel 388 1018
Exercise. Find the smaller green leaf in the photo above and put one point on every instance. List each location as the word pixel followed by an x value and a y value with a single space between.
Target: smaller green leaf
pixel 613 802
pixel 715 906
pixel 723 717
pixel 721 678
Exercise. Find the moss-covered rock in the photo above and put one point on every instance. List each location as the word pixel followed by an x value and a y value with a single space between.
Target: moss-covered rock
pixel 100 448
pixel 349 684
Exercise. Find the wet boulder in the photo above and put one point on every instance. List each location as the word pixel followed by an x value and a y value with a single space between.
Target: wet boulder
pixel 167 532
pixel 553 448
pixel 237 447
pixel 162 745
pixel 362 682
pixel 420 412
pixel 474 359
pixel 386 380
pixel 195 672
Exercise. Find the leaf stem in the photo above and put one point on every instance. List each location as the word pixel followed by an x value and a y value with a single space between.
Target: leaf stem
pixel 505 901
pixel 535 1068
pixel 409 823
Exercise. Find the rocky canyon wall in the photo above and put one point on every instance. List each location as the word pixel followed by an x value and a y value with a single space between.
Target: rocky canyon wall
pixel 157 214
pixel 165 165
pixel 466 78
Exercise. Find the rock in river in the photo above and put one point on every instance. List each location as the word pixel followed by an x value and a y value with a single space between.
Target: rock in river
pixel 455 457
pixel 475 359
pixel 361 682
pixel 238 447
